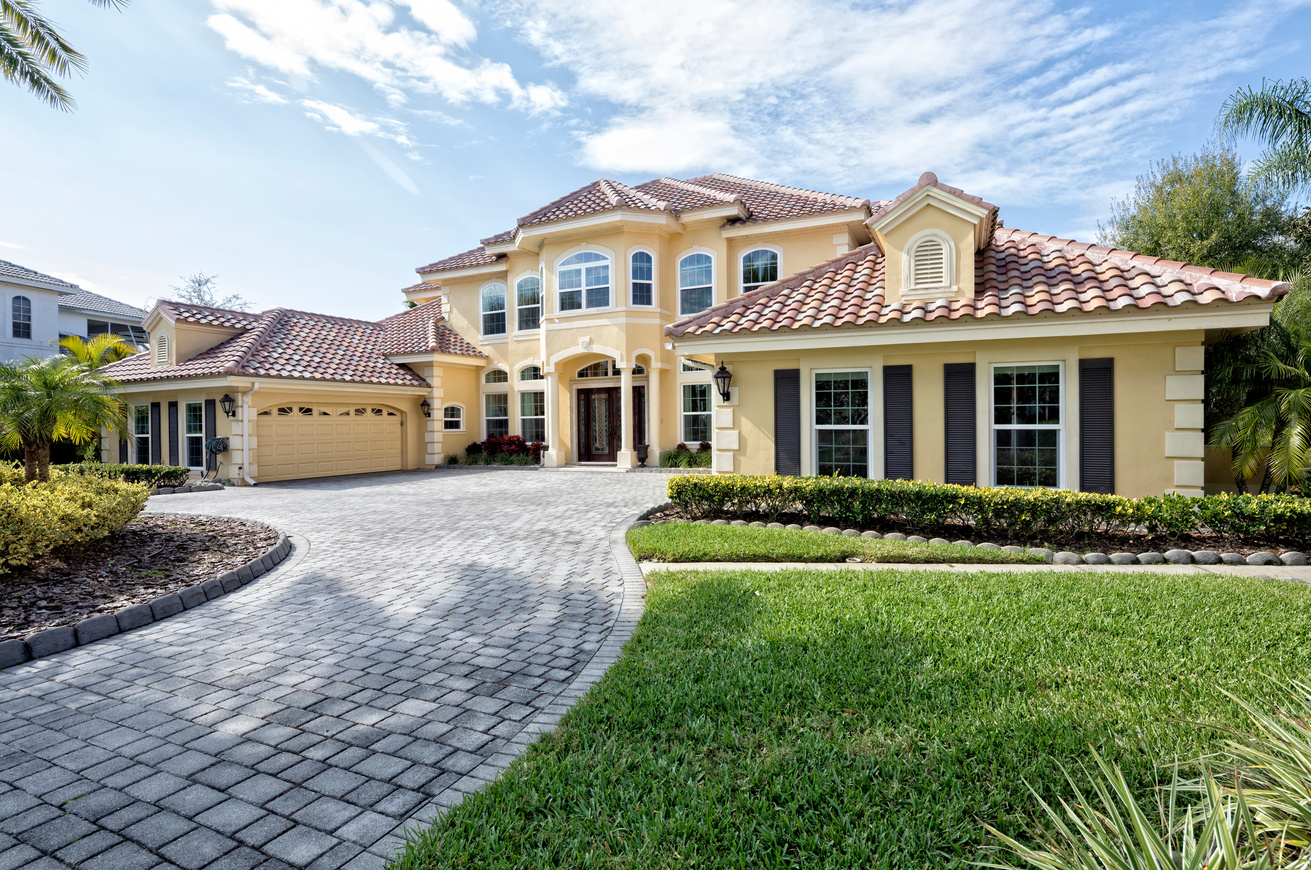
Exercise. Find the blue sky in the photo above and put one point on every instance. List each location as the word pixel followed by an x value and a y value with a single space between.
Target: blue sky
pixel 312 153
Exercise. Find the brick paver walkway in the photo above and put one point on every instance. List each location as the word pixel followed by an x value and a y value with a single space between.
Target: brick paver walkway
pixel 302 720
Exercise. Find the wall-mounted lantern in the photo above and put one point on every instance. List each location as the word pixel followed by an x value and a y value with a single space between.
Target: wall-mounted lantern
pixel 723 378
pixel 228 404
pixel 426 408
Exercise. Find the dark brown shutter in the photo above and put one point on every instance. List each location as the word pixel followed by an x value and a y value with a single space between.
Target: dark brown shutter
pixel 958 390
pixel 172 433
pixel 122 451
pixel 1097 425
pixel 211 431
pixel 156 436
pixel 787 421
pixel 898 456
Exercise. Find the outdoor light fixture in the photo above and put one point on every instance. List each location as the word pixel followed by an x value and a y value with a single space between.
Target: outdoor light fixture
pixel 426 408
pixel 723 378
pixel 228 404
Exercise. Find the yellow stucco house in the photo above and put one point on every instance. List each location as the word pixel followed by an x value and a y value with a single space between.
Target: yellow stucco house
pixel 914 338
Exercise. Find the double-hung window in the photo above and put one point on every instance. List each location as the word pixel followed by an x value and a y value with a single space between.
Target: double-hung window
pixel 759 268
pixel 493 307
pixel 21 309
pixel 842 423
pixel 141 433
pixel 642 276
pixel 584 281
pixel 1026 425
pixel 453 418
pixel 528 302
pixel 696 283
pixel 696 413
pixel 194 420
pixel 497 414
pixel 532 416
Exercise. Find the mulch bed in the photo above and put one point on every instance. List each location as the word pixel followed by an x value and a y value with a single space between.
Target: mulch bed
pixel 1124 542
pixel 151 556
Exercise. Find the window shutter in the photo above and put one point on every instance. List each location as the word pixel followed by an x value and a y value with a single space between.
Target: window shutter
pixel 172 433
pixel 122 451
pixel 156 436
pixel 1097 425
pixel 929 264
pixel 898 458
pixel 787 421
pixel 958 389
pixel 211 428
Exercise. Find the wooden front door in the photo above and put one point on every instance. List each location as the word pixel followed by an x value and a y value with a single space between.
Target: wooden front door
pixel 598 424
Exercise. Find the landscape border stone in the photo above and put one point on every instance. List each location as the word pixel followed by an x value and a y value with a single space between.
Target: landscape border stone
pixel 196 487
pixel 53 640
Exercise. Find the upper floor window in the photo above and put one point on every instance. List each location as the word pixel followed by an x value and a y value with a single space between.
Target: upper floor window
pixel 130 334
pixel 530 373
pixel 643 278
pixel 584 281
pixel 528 302
pixel 497 376
pixel 493 301
pixel 695 283
pixel 928 264
pixel 759 267
pixel 22 310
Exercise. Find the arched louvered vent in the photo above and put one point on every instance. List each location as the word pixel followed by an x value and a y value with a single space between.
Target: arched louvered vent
pixel 161 350
pixel 928 264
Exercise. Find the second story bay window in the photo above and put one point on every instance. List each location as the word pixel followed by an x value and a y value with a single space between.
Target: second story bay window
pixel 528 302
pixel 759 267
pixel 493 307
pixel 696 283
pixel 584 282
pixel 642 276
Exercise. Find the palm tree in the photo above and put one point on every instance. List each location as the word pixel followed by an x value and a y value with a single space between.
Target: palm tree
pixel 32 52
pixel 1273 433
pixel 44 399
pixel 99 351
pixel 1279 115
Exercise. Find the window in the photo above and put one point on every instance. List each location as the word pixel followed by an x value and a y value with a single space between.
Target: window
pixel 758 268
pixel 584 281
pixel 497 376
pixel 596 370
pixel 497 416
pixel 928 265
pixel 453 418
pixel 131 334
pixel 532 416
pixel 493 300
pixel 642 276
pixel 696 413
pixel 528 302
pixel 161 350
pixel 530 373
pixel 1026 425
pixel 691 365
pixel 695 283
pixel 22 310
pixel 141 433
pixel 194 419
pixel 842 423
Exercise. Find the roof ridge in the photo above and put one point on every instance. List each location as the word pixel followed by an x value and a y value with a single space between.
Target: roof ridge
pixel 610 194
pixel 650 200
pixel 722 196
pixel 257 336
pixel 553 203
pixel 253 314
pixel 819 195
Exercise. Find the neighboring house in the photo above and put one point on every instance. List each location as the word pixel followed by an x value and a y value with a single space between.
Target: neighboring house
pixel 915 338
pixel 86 315
pixel 29 311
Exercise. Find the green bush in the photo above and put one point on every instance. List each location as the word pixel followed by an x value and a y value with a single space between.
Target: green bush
pixel 684 457
pixel 1021 513
pixel 150 475
pixel 68 509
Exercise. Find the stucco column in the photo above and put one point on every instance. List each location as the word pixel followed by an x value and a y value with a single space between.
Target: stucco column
pixel 653 414
pixel 627 458
pixel 553 456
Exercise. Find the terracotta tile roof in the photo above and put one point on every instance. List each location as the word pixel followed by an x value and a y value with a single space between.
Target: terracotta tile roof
pixel 423 329
pixel 88 301
pixel 473 257
pixel 599 196
pixel 772 202
pixel 13 270
pixel 499 238
pixel 422 286
pixel 928 179
pixel 206 315
pixel 1017 273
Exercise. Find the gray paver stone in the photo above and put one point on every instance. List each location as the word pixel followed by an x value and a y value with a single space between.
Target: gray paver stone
pixel 167 605
pixel 1233 558
pixel 1096 558
pixel 12 652
pixel 51 641
pixel 134 617
pixel 1047 555
pixel 1065 557
pixel 871 535
pixel 894 536
pixel 1293 557
pixel 917 539
pixel 1150 558
pixel 300 845
pixel 198 849
pixel 1124 559
pixel 1206 557
pixel 96 627
pixel 939 541
pixel 213 588
pixel 230 581
pixel 193 596
pixel 1179 557
pixel 1264 557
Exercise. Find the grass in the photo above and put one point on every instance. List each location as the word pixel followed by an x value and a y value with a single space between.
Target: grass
pixel 700 542
pixel 800 719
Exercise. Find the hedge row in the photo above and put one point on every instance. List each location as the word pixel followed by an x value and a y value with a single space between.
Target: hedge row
pixel 150 475
pixel 1019 513
pixel 68 509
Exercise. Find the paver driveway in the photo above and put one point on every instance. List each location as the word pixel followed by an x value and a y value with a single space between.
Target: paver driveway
pixel 301 720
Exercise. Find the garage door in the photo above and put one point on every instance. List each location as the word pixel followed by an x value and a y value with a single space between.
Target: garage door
pixel 296 441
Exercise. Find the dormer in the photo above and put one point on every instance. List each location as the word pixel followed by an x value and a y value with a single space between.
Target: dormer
pixel 929 236
pixel 179 331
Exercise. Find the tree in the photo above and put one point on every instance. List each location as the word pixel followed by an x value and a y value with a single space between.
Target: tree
pixel 199 289
pixel 1279 116
pixel 32 52
pixel 1273 434
pixel 99 351
pixel 47 398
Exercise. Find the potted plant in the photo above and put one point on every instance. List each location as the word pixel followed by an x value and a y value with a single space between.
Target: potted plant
pixel 642 451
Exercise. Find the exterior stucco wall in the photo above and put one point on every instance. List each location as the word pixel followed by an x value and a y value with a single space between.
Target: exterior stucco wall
pixel 45 322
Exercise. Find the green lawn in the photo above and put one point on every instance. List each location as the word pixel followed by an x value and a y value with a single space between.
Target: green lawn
pixel 698 542
pixel 800 719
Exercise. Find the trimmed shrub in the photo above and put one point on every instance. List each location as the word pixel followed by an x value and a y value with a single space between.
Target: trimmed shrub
pixel 67 510
pixel 682 456
pixel 150 475
pixel 1020 513
pixel 509 450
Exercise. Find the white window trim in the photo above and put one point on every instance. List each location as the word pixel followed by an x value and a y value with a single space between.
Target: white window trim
pixel 495 367
pixel 741 265
pixel 678 279
pixel 992 424
pixel 519 408
pixel 518 372
pixel 463 416
pixel 869 426
pixel 186 436
pixel 136 450
pixel 509 411
pixel 683 413
pixel 14 321
pixel 655 280
pixel 494 336
pixel 585 249
pixel 541 298
pixel 935 291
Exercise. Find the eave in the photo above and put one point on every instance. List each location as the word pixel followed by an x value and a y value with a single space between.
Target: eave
pixel 849 216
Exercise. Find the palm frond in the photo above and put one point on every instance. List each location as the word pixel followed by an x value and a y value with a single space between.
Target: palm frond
pixel 1277 113
pixel 1287 164
pixel 20 65
pixel 40 37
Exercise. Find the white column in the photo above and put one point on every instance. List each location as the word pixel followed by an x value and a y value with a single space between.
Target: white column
pixel 553 456
pixel 653 414
pixel 627 458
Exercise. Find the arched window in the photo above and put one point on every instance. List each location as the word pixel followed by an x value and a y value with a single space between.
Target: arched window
pixel 453 418
pixel 497 376
pixel 530 373
pixel 596 370
pixel 22 320
pixel 161 349
pixel 584 281
pixel 528 302
pixel 759 267
pixel 928 264
pixel 642 278
pixel 493 300
pixel 696 277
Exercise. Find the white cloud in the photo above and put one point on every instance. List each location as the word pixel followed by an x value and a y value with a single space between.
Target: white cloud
pixel 339 119
pixel 12 245
pixel 254 92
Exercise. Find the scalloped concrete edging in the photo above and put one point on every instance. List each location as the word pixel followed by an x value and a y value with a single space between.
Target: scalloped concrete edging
pixel 192 487
pixel 54 640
